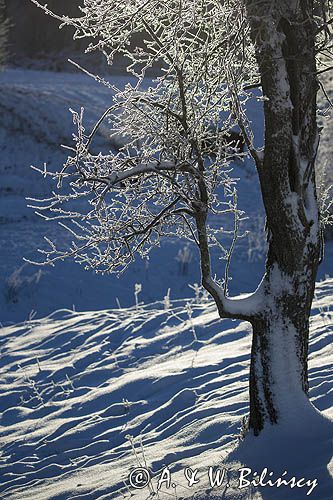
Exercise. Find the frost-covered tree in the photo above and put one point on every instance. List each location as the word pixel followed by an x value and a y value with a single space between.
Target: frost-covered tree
pixel 173 171
pixel 3 33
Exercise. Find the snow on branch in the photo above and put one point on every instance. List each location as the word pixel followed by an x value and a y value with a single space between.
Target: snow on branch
pixel 177 135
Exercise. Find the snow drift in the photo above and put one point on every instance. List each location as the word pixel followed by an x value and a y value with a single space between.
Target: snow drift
pixel 88 397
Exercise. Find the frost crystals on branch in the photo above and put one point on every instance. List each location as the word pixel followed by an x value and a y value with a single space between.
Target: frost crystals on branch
pixel 173 168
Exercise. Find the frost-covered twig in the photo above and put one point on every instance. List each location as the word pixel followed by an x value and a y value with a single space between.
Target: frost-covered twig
pixel 173 165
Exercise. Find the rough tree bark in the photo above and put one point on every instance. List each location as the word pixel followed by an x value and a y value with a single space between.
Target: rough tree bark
pixel 283 32
pixel 3 34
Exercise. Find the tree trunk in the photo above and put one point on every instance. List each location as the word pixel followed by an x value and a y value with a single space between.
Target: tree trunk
pixel 3 34
pixel 279 370
pixel 284 36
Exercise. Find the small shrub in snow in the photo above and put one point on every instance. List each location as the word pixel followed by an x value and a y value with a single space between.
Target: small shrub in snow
pixel 17 283
pixel 137 291
pixel 189 312
pixel 201 295
pixel 184 257
pixel 166 301
pixel 257 239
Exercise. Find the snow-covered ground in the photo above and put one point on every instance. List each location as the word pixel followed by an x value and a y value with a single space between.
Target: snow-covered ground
pixel 81 391
pixel 89 397
pixel 34 121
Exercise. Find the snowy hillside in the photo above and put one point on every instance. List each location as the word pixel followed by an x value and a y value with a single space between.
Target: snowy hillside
pixel 88 397
pixel 34 121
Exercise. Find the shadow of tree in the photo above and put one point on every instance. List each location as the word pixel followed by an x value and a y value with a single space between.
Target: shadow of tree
pixel 303 451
